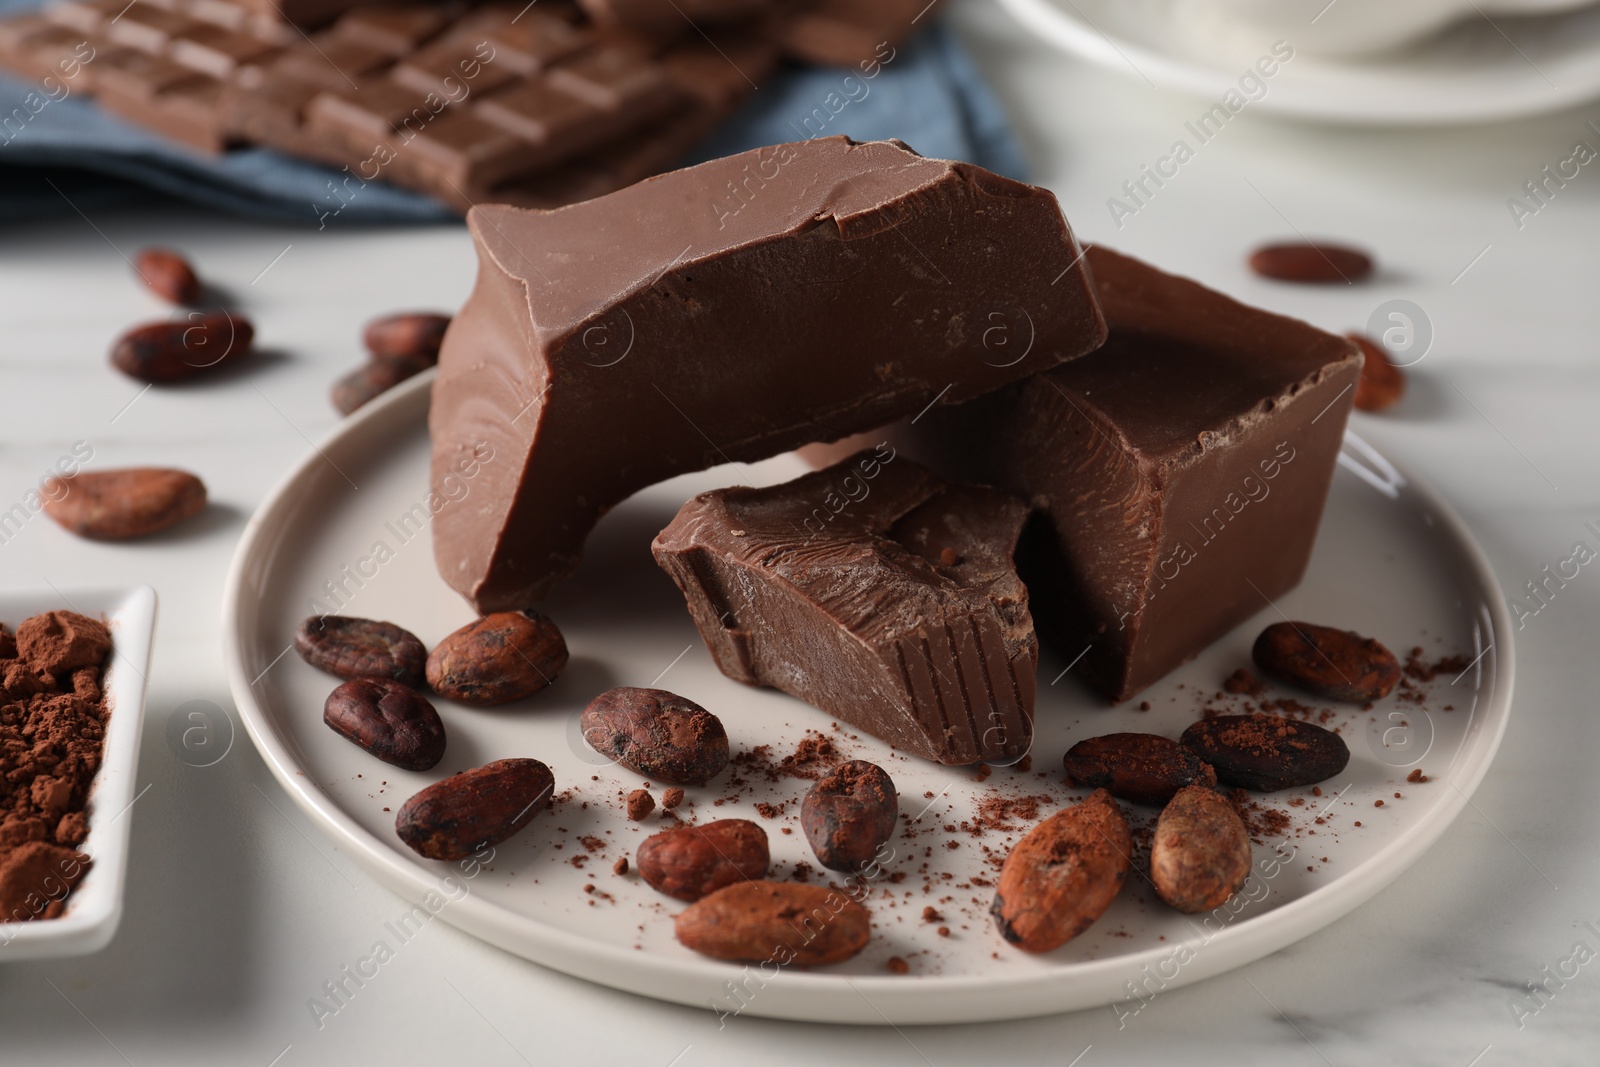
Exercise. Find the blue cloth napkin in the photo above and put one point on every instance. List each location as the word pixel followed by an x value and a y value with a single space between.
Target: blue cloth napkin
pixel 928 95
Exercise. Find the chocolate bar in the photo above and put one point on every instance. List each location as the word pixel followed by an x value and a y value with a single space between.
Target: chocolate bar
pixel 499 102
pixel 1182 469
pixel 875 591
pixel 728 312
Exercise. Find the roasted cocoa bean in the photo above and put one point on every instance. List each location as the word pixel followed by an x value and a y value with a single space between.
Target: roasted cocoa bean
pixel 349 647
pixel 1267 752
pixel 687 862
pixel 656 733
pixel 119 505
pixel 1063 875
pixel 1311 263
pixel 786 922
pixel 1143 768
pixel 1381 384
pixel 1336 664
pixel 164 352
pixel 451 819
pixel 371 381
pixel 389 720
pixel 409 335
pixel 849 814
pixel 1200 854
pixel 168 275
pixel 500 658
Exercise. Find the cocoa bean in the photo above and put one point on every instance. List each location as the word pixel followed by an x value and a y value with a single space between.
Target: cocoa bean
pixel 451 819
pixel 349 647
pixel 1266 752
pixel 409 335
pixel 849 814
pixel 387 719
pixel 784 922
pixel 1381 384
pixel 497 659
pixel 1063 875
pixel 1311 263
pixel 164 352
pixel 1336 664
pixel 656 733
pixel 371 381
pixel 1143 768
pixel 168 275
pixel 688 862
pixel 1200 854
pixel 119 505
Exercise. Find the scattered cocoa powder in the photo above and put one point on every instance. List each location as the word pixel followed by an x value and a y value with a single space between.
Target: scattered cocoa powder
pixel 52 732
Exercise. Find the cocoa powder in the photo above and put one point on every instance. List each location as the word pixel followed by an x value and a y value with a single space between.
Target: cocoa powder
pixel 52 732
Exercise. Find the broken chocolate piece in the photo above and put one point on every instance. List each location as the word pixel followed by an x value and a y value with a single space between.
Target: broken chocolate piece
pixel 839 588
pixel 727 312
pixel 1182 469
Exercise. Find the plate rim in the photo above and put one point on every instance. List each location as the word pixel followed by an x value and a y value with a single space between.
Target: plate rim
pixel 893 999
pixel 1083 39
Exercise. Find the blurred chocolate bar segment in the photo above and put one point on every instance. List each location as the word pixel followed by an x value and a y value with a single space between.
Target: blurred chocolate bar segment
pixel 1181 469
pixel 875 591
pixel 723 313
pixel 533 104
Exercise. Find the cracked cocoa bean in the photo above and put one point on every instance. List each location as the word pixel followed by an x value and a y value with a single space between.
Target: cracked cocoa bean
pixel 849 814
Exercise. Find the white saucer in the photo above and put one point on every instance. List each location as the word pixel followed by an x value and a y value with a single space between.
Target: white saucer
pixel 1391 560
pixel 1477 71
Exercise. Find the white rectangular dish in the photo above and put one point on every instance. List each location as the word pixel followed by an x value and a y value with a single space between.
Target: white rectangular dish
pixel 95 906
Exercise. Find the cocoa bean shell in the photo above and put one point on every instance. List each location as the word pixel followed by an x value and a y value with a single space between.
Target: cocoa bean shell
pixel 688 862
pixel 1267 752
pixel 497 659
pixel 849 814
pixel 391 721
pixel 657 733
pixel 120 505
pixel 1200 853
pixel 1142 768
pixel 451 819
pixel 780 922
pixel 1332 663
pixel 1063 874
pixel 351 647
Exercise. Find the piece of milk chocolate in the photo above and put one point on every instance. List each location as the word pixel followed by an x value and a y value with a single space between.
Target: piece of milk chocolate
pixel 874 590
pixel 1182 469
pixel 728 312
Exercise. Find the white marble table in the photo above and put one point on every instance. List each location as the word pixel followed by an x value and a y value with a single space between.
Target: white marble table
pixel 238 910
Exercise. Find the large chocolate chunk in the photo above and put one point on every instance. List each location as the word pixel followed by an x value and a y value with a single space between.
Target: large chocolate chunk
pixel 875 591
pixel 728 312
pixel 1182 468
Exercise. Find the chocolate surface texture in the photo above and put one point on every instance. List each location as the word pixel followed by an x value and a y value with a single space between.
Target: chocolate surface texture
pixel 728 312
pixel 875 591
pixel 1181 469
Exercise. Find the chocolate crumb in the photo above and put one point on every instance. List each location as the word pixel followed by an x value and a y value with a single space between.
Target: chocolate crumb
pixel 640 804
pixel 1416 775
pixel 896 965
pixel 671 798
pixel 621 866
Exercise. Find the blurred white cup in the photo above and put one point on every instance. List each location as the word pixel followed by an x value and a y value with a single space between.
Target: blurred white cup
pixel 1351 27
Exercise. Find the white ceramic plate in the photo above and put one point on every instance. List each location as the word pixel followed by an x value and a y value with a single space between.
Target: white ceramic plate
pixel 95 906
pixel 1477 71
pixel 1391 559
